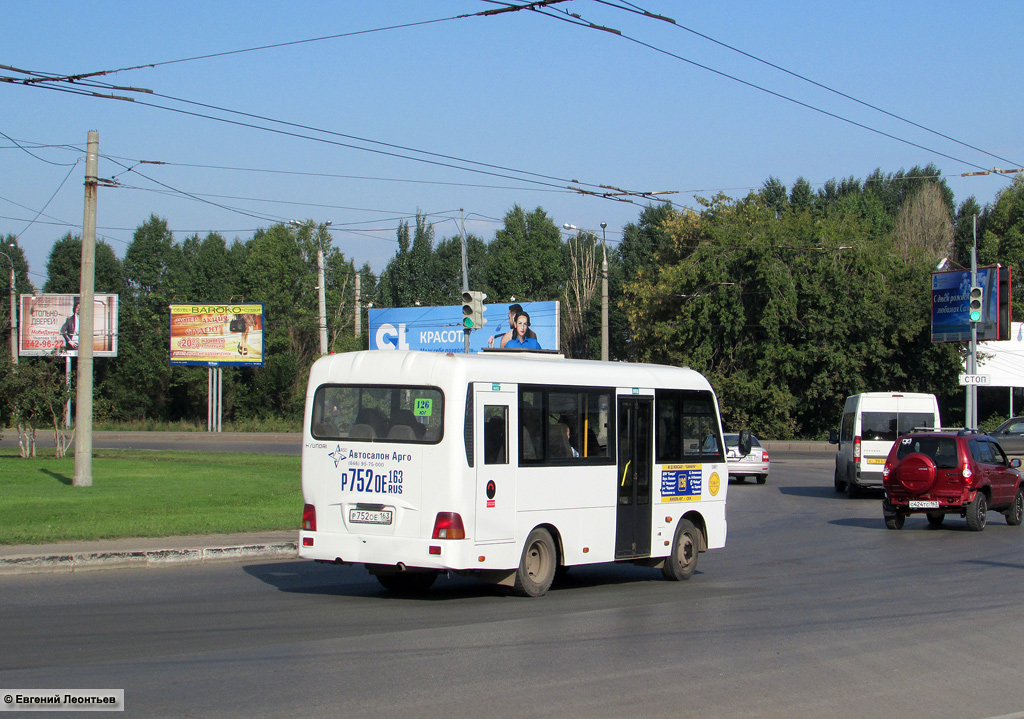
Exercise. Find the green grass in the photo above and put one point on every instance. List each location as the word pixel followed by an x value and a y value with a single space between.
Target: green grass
pixel 198 425
pixel 147 494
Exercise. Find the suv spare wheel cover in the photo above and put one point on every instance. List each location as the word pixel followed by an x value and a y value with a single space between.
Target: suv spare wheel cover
pixel 916 473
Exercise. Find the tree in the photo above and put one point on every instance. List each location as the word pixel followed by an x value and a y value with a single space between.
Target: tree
pixel 64 267
pixel 774 195
pixel 578 295
pixel 140 382
pixel 22 285
pixel 924 227
pixel 280 271
pixel 1004 230
pixel 37 395
pixel 527 258
pixel 12 258
pixel 643 241
pixel 801 197
pixel 395 289
pixel 787 312
pixel 964 229
pixel 423 269
pixel 448 255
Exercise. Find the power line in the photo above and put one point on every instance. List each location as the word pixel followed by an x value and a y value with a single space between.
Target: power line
pixel 827 88
pixel 540 7
pixel 346 177
pixel 577 21
pixel 39 77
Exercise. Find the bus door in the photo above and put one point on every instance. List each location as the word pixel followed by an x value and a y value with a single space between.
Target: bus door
pixel 496 452
pixel 633 514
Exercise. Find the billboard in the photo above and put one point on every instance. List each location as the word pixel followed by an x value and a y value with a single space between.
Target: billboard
pixel 1002 361
pixel 50 325
pixel 217 335
pixel 439 329
pixel 951 301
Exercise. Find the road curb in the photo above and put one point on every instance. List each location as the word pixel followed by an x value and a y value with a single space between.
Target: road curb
pixel 91 561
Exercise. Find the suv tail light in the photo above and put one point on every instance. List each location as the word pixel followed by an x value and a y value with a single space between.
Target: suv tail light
pixel 856 449
pixel 309 518
pixel 448 525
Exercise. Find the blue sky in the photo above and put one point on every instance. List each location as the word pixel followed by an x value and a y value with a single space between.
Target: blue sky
pixel 521 91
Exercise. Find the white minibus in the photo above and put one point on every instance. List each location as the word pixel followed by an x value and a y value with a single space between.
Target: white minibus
pixel 508 466
pixel 868 429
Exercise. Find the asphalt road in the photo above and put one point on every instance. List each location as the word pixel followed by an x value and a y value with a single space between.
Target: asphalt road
pixel 812 609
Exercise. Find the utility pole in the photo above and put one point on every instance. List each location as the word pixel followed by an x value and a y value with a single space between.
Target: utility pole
pixel 321 292
pixel 972 360
pixel 83 409
pixel 322 298
pixel 359 309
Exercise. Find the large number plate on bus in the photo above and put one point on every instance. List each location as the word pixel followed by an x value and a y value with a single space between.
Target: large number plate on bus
pixel 370 516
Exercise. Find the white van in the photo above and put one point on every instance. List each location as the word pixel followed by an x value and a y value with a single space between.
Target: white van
pixel 870 425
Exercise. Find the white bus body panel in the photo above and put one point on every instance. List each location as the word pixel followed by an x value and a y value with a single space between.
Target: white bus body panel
pixel 416 481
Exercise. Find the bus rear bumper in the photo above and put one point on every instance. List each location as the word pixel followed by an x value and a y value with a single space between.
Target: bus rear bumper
pixel 444 554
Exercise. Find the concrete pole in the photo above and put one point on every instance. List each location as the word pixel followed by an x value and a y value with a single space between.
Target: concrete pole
pixel 359 309
pixel 83 410
pixel 323 301
pixel 972 359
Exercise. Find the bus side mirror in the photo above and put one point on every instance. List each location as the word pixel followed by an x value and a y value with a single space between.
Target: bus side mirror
pixel 833 436
pixel 744 442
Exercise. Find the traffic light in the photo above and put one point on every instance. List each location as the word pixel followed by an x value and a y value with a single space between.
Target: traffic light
pixel 977 303
pixel 473 310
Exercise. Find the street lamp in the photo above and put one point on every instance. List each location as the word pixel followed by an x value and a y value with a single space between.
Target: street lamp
pixel 321 296
pixel 14 314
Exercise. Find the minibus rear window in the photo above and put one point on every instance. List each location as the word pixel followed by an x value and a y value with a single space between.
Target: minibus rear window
pixel 376 413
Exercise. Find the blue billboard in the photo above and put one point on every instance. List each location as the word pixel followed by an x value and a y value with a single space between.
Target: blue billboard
pixel 951 303
pixel 439 329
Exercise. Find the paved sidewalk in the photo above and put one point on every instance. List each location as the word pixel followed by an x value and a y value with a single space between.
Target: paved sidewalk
pixel 145 552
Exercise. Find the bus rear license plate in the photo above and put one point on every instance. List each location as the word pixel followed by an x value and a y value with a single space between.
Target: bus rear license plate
pixel 924 504
pixel 368 516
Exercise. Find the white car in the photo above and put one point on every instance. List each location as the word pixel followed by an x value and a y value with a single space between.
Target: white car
pixel 754 465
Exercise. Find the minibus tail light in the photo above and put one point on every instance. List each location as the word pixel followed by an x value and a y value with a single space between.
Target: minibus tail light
pixel 856 449
pixel 309 518
pixel 448 525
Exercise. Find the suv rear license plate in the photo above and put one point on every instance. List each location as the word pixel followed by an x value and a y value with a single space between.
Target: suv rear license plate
pixel 924 504
pixel 369 516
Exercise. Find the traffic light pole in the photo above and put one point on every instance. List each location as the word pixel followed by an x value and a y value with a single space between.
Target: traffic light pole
pixel 972 357
pixel 465 272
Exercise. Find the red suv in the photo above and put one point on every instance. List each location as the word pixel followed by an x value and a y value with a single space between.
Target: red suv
pixel 942 472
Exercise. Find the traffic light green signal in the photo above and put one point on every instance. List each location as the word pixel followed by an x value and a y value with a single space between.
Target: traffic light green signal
pixel 473 309
pixel 977 303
